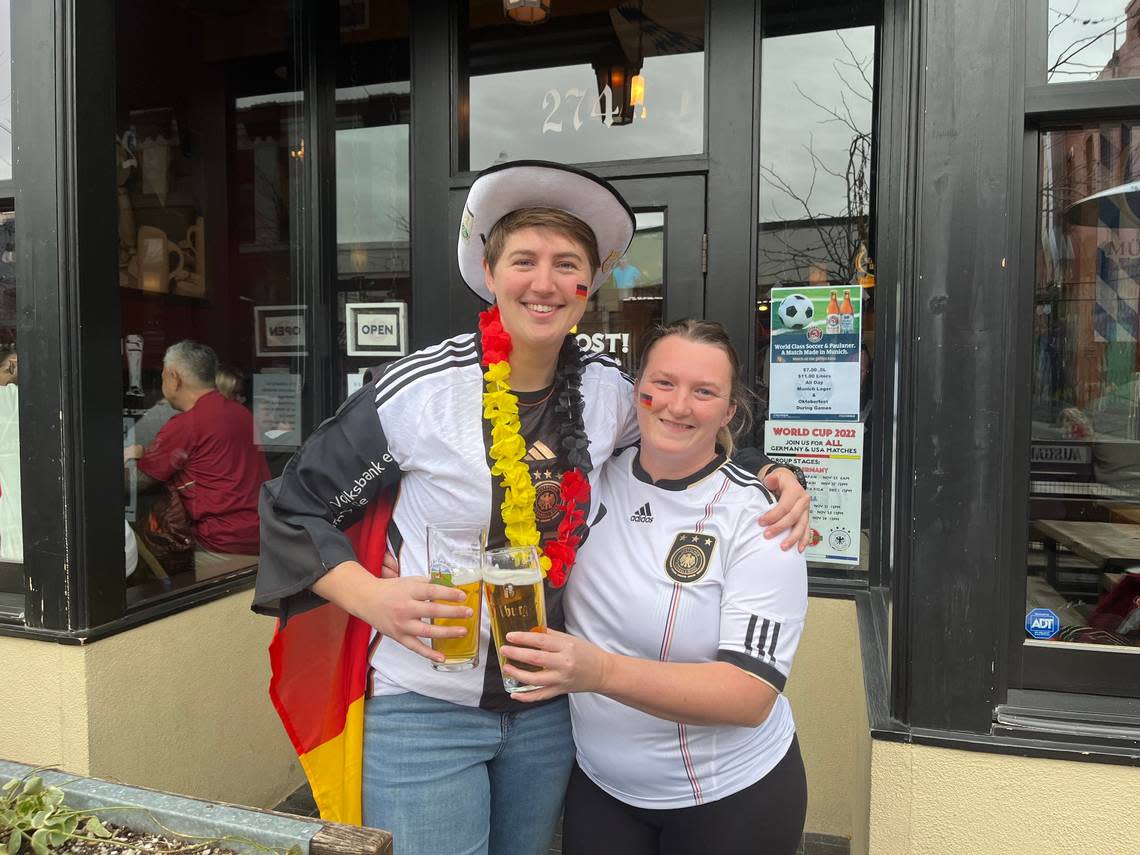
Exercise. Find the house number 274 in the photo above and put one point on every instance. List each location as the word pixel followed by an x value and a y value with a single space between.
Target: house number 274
pixel 553 100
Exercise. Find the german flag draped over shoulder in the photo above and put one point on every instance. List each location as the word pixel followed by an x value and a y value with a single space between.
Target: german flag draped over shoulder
pixel 319 663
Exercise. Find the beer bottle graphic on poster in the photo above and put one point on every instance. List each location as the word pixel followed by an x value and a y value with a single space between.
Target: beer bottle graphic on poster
pixel 846 313
pixel 833 315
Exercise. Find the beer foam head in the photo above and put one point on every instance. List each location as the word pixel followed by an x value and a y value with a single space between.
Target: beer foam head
pixel 511 575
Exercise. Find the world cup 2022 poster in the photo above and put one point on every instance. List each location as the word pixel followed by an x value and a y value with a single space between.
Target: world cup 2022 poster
pixel 814 353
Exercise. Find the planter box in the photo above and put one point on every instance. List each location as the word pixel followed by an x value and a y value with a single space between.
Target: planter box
pixel 156 812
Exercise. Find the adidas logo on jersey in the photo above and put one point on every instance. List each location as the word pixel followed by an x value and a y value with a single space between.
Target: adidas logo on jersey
pixel 540 451
pixel 642 514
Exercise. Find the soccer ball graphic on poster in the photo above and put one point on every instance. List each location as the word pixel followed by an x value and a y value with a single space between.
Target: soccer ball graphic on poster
pixel 796 312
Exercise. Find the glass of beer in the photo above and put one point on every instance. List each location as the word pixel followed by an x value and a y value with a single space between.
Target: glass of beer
pixel 512 581
pixel 454 559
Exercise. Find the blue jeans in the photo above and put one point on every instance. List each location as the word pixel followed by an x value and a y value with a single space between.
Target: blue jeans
pixel 453 780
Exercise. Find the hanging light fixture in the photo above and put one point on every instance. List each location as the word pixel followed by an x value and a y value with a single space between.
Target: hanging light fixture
pixel 622 74
pixel 637 83
pixel 616 73
pixel 637 93
pixel 527 11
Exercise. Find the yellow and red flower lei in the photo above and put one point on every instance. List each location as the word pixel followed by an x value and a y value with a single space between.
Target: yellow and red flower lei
pixel 501 409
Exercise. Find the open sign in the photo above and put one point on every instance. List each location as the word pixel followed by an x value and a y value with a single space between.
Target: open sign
pixel 376 329
pixel 280 330
pixel 285 332
pixel 377 332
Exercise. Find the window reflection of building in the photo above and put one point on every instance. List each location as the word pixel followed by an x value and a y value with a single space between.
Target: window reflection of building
pixel 1085 420
pixel 1088 284
pixel 1091 40
pixel 373 184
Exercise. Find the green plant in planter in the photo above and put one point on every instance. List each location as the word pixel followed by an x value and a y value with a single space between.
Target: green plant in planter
pixel 32 812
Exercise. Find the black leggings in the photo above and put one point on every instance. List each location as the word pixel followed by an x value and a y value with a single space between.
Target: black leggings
pixel 766 818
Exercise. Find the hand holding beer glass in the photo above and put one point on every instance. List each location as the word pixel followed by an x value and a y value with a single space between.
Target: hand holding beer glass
pixel 512 579
pixel 454 560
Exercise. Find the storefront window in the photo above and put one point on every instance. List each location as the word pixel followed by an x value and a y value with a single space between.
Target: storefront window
pixel 591 82
pixel 815 328
pixel 373 119
pixel 1084 529
pixel 1093 40
pixel 209 147
pixel 11 506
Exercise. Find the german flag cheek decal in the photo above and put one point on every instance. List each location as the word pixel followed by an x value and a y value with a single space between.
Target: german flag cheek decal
pixel 647 400
pixel 582 291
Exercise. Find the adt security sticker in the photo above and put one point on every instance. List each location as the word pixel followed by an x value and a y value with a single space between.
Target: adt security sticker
pixel 1042 624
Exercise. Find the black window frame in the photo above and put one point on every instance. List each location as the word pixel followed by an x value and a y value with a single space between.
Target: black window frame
pixel 64 85
pixel 58 150
pixel 966 243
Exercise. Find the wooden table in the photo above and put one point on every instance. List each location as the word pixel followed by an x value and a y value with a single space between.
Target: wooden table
pixel 1106 545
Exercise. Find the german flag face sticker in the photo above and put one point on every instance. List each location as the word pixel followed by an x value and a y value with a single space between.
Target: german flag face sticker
pixel 582 291
pixel 646 400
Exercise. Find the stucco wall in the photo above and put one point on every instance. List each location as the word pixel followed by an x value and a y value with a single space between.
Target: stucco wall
pixel 826 692
pixel 43 717
pixel 179 704
pixel 861 787
pixel 930 801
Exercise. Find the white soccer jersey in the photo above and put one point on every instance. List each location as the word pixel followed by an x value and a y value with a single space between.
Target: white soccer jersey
pixel 430 405
pixel 680 571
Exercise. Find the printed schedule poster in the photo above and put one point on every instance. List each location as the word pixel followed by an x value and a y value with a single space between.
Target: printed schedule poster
pixel 276 409
pixel 831 455
pixel 814 353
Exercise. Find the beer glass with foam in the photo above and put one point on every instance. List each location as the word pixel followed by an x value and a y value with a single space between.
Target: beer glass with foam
pixel 512 580
pixel 455 560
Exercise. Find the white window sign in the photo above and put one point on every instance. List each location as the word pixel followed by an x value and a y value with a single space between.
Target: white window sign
pixel 279 330
pixel 377 329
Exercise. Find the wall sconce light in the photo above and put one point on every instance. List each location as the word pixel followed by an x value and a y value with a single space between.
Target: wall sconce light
pixel 527 11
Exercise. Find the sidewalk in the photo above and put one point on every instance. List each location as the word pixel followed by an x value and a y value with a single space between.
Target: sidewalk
pixel 301 803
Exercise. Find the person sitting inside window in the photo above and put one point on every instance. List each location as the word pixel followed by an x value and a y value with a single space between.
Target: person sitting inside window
pixel 206 450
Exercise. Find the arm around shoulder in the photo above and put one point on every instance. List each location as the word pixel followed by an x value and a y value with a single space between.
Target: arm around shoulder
pixel 325 488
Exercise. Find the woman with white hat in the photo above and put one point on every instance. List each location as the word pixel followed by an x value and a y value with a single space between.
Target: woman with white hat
pixel 452 763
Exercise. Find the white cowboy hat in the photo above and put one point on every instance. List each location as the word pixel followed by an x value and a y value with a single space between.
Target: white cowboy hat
pixel 538 184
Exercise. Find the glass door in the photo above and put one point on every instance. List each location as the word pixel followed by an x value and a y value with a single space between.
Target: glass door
pixel 660 277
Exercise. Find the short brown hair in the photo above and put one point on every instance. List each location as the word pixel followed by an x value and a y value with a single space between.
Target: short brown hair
pixel 229 381
pixel 561 222
pixel 711 333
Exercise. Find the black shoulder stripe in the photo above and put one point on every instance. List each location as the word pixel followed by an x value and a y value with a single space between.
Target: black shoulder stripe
pixel 764 670
pixel 447 350
pixel 741 472
pixel 737 477
pixel 426 371
pixel 606 360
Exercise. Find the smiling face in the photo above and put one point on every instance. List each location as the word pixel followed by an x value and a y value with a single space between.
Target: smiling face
pixel 684 399
pixel 538 282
